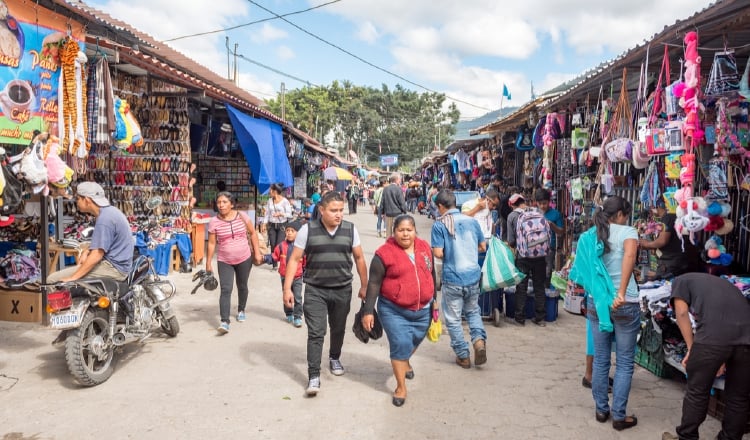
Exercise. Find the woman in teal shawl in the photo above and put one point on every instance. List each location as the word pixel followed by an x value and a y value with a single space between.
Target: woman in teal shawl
pixel 605 258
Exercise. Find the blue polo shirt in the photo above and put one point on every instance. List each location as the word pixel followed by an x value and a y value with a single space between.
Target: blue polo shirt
pixel 553 216
pixel 460 252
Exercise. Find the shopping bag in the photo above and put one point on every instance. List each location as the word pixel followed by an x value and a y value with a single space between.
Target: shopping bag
pixel 436 328
pixel 499 268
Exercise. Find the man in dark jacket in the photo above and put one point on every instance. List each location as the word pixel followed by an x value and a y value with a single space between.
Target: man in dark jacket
pixel 393 202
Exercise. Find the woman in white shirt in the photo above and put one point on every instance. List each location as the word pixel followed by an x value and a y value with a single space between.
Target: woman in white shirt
pixel 278 212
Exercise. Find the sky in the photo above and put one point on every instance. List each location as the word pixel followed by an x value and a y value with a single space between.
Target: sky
pixel 466 49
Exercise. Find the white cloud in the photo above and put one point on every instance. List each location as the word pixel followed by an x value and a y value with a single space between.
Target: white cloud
pixel 368 33
pixel 285 53
pixel 268 33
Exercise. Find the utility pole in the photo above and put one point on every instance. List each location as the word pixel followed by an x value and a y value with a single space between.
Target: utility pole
pixel 229 74
pixel 283 107
pixel 236 45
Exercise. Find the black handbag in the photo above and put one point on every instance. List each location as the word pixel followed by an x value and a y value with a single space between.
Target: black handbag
pixel 360 332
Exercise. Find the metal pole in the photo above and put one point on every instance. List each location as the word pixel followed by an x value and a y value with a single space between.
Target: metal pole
pixel 226 42
pixel 236 81
pixel 44 250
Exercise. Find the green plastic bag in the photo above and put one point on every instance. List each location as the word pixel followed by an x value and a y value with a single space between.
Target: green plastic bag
pixel 499 268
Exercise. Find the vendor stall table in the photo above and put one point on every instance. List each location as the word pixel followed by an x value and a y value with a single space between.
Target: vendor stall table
pixel 55 249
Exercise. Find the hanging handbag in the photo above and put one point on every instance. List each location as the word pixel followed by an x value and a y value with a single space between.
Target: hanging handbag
pixel 724 77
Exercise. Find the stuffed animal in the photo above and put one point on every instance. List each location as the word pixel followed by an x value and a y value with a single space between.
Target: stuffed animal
pixel 717 252
pixel 689 93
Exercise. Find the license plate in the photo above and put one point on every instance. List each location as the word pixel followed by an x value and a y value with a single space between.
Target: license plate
pixel 63 320
pixel 68 318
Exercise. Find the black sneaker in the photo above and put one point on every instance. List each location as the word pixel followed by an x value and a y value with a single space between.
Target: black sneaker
pixel 517 322
pixel 539 322
pixel 313 386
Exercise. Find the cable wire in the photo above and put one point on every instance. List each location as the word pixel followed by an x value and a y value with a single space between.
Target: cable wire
pixel 364 60
pixel 231 28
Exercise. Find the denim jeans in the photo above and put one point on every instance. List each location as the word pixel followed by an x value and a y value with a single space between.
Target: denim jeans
pixel 227 275
pixel 702 365
pixel 627 324
pixel 379 226
pixel 458 299
pixel 319 304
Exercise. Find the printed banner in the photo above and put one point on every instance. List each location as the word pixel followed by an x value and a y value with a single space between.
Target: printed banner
pixel 29 68
pixel 389 160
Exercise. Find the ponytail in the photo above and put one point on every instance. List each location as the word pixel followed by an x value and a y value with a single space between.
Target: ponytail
pixel 609 208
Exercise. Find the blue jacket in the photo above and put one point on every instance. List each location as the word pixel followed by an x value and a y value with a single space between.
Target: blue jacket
pixel 589 271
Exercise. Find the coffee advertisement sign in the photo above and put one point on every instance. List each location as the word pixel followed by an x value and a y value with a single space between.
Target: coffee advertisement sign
pixel 30 37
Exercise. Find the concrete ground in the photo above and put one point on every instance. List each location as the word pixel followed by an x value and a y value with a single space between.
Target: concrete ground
pixel 250 383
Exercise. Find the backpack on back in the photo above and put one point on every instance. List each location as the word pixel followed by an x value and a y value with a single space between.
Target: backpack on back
pixel 532 234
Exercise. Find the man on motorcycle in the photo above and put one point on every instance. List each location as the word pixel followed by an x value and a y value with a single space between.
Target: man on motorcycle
pixel 110 254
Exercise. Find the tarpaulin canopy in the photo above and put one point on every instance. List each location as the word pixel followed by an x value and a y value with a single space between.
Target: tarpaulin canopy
pixel 262 144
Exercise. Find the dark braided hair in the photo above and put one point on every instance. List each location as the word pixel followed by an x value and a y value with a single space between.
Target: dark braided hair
pixel 609 208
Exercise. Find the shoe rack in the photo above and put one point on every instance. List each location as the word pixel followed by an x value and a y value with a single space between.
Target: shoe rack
pixel 160 166
pixel 235 173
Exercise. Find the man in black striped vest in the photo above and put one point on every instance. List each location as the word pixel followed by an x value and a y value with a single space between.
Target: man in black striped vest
pixel 330 244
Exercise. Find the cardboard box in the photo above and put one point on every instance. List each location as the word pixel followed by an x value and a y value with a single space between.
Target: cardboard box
pixel 20 306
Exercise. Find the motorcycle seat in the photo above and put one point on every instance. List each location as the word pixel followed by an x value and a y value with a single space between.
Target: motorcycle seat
pixel 107 285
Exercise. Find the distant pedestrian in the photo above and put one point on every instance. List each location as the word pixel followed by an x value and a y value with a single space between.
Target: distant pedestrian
pixel 392 201
pixel 330 245
pixel 278 212
pixel 378 208
pixel 457 238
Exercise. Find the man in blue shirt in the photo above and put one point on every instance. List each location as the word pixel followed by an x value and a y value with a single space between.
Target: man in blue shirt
pixel 110 254
pixel 556 225
pixel 456 238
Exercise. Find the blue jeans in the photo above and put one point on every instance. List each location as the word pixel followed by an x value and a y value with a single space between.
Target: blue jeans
pixel 379 226
pixel 458 299
pixel 627 323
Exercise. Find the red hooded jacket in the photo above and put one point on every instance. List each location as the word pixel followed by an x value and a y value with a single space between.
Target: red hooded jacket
pixel 406 284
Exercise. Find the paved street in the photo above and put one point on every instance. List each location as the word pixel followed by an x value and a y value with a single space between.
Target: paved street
pixel 250 382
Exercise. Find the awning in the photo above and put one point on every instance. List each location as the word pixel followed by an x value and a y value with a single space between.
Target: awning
pixel 262 144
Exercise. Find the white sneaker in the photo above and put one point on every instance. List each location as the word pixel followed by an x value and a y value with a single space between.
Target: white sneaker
pixel 336 368
pixel 313 386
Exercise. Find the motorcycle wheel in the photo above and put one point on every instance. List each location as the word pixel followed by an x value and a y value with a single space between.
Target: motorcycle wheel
pixel 88 351
pixel 170 326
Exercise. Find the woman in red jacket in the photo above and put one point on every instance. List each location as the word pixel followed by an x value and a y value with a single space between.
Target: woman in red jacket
pixel 402 279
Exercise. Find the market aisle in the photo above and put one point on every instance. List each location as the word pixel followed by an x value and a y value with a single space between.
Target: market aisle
pixel 250 383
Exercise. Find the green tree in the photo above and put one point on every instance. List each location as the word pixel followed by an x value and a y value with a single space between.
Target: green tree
pixel 366 119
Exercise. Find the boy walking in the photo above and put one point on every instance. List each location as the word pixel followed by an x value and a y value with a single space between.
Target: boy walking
pixel 281 255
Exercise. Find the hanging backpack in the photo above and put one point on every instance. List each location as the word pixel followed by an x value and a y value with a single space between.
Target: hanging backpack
pixel 532 234
pixel 524 139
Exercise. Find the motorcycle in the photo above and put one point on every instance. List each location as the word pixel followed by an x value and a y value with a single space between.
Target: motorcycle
pixel 98 315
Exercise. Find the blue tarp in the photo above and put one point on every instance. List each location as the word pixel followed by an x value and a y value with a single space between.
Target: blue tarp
pixel 262 144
